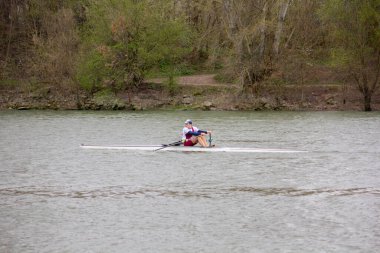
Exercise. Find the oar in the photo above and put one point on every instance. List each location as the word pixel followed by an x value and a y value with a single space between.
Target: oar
pixel 209 139
pixel 177 143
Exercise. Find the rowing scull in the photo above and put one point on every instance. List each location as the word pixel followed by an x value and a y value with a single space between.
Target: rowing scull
pixel 190 149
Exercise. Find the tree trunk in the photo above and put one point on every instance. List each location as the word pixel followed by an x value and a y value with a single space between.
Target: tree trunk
pixel 263 32
pixel 367 94
pixel 10 35
pixel 280 23
pixel 364 89
pixel 367 102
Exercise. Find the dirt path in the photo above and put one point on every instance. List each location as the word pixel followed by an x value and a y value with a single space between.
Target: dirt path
pixel 194 80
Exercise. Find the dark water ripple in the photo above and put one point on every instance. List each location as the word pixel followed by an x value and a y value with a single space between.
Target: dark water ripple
pixel 125 192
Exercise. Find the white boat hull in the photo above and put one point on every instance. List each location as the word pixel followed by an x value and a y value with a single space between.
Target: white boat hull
pixel 191 149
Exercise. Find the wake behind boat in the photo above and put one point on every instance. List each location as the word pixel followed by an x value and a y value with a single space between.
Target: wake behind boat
pixel 160 148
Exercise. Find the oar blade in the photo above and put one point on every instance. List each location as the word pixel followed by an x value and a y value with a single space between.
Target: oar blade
pixel 177 143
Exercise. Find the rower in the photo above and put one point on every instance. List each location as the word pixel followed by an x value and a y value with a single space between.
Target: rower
pixel 191 135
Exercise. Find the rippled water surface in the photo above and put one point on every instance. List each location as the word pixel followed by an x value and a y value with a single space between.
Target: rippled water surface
pixel 57 197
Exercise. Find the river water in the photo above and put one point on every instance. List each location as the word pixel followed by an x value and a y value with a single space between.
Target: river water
pixel 57 197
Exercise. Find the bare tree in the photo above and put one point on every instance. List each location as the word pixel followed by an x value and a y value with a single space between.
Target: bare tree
pixel 284 5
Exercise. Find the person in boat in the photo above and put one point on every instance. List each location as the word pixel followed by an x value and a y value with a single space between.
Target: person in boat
pixel 191 135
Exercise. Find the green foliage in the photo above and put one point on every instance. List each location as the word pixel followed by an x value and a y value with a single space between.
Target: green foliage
pixel 133 38
pixel 165 70
pixel 356 37
pixel 8 83
pixel 165 42
pixel 171 85
pixel 354 29
pixel 90 71
pixel 340 57
pixel 225 77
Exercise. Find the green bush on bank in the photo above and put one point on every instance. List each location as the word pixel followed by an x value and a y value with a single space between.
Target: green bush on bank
pixel 90 71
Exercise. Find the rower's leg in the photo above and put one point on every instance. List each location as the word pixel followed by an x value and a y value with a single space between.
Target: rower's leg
pixel 207 144
pixel 202 141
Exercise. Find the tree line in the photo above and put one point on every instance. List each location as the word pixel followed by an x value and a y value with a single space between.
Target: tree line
pixel 114 44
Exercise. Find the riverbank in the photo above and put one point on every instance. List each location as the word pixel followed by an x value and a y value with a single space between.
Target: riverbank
pixel 199 92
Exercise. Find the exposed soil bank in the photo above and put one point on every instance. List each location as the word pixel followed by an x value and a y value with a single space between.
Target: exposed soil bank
pixel 205 94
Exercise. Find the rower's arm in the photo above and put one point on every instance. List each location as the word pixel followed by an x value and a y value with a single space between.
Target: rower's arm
pixel 197 133
pixel 194 133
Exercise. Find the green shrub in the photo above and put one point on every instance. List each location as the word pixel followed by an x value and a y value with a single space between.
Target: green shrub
pixel 171 85
pixel 91 71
